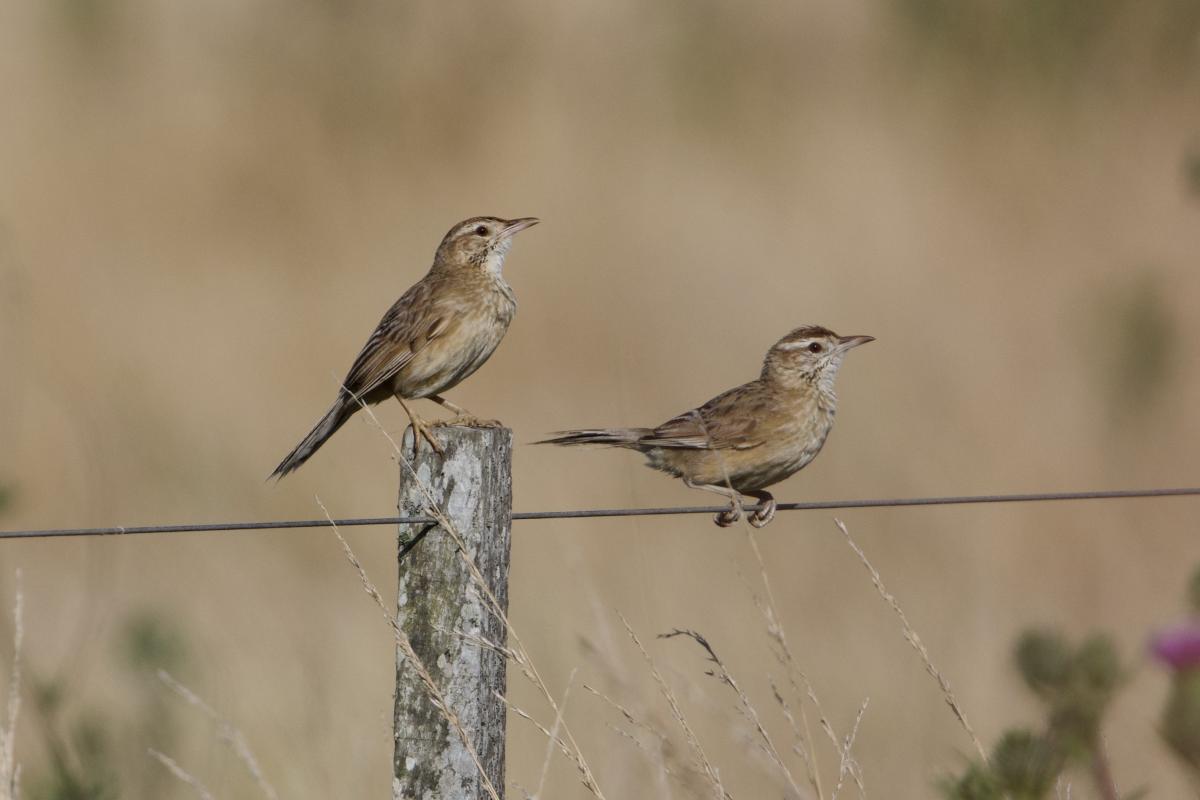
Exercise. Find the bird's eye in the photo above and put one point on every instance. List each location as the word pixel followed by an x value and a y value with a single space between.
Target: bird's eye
pixel 481 230
pixel 815 347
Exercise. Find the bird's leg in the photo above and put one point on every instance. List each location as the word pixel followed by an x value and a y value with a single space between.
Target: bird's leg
pixel 765 514
pixel 461 415
pixel 420 430
pixel 454 408
pixel 725 518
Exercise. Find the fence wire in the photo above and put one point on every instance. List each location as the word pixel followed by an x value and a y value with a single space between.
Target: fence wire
pixel 213 527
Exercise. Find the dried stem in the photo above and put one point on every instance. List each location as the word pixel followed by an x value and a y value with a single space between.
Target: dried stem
pixel 1106 784
pixel 182 774
pixel 723 675
pixel 435 694
pixel 562 707
pixel 710 772
pixel 848 766
pixel 517 651
pixel 802 742
pixel 226 731
pixel 796 675
pixel 913 639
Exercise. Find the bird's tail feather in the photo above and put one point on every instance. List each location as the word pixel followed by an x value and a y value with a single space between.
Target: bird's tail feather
pixel 334 418
pixel 616 437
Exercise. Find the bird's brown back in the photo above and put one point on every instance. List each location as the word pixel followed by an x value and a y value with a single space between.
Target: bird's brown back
pixel 751 436
pixel 440 331
pixel 436 334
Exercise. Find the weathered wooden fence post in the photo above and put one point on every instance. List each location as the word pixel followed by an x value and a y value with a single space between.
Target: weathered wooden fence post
pixel 444 615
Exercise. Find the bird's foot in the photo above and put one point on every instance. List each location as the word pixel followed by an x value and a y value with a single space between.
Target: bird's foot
pixel 729 517
pixel 764 514
pixel 469 421
pixel 420 429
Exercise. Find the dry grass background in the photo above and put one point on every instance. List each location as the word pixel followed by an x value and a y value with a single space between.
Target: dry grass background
pixel 205 208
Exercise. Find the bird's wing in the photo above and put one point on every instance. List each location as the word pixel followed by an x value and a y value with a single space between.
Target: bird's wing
pixel 727 422
pixel 407 327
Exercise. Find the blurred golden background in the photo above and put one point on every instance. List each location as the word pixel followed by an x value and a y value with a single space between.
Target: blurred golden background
pixel 205 208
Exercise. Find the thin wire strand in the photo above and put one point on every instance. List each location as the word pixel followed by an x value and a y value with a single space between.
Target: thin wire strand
pixel 607 512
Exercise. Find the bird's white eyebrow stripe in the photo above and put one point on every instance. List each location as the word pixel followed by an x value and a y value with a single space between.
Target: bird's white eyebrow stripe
pixel 794 345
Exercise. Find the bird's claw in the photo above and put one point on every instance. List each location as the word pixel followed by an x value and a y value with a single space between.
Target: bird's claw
pixel 729 517
pixel 421 431
pixel 764 514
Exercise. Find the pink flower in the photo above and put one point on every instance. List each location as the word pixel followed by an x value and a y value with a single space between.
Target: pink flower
pixel 1178 647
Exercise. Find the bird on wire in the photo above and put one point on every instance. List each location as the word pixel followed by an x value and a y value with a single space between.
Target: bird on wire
pixel 439 332
pixel 752 436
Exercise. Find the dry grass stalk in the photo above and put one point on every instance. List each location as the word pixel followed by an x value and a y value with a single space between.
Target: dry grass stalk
pixel 558 718
pixel 517 651
pixel 662 753
pixel 800 738
pixel 656 757
pixel 802 734
pixel 747 708
pixel 847 765
pixel 567 747
pixel 435 693
pixel 182 774
pixel 226 731
pixel 552 738
pixel 628 715
pixel 709 771
pixel 556 740
pixel 482 642
pixel 913 639
pixel 801 741
pixel 669 760
pixel 10 770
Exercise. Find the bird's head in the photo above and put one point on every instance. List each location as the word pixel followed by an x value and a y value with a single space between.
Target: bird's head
pixel 809 355
pixel 480 241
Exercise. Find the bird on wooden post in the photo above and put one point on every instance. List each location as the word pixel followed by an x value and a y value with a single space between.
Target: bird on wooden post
pixel 439 332
pixel 752 436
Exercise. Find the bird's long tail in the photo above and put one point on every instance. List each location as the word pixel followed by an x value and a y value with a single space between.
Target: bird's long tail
pixel 342 409
pixel 616 437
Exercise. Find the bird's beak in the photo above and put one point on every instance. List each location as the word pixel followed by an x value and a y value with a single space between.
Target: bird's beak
pixel 517 225
pixel 848 342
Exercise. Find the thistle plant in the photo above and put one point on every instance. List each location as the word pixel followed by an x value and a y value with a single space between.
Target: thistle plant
pixel 1178 648
pixel 1076 685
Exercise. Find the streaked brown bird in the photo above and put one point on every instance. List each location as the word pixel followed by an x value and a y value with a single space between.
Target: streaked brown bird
pixel 440 331
pixel 752 436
